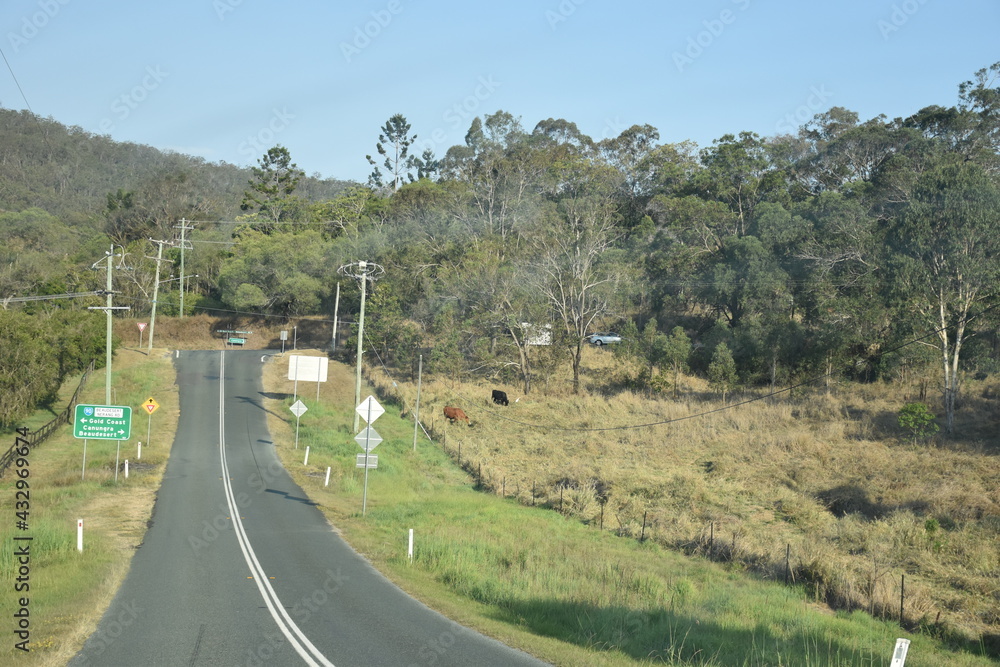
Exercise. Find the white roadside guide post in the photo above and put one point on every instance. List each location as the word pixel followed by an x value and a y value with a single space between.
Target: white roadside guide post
pixel 79 535
pixel 370 410
pixel 899 653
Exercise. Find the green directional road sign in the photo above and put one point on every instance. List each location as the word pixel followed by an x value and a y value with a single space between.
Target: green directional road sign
pixel 103 422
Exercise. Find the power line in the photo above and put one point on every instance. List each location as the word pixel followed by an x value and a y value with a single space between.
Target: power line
pixel 48 297
pixel 17 83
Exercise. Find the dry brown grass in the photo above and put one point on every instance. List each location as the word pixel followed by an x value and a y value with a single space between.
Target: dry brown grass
pixel 827 475
pixel 199 332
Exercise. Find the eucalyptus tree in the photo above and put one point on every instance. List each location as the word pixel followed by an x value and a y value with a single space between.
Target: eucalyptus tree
pixel 739 172
pixel 280 273
pixel 629 154
pixel 946 259
pixel 503 173
pixel 578 270
pixel 722 374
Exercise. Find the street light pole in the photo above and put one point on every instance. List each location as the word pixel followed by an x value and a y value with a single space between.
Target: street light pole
pixel 361 338
pixel 107 383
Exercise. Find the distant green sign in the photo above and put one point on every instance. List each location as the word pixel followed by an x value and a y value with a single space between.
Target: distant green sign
pixel 237 341
pixel 103 422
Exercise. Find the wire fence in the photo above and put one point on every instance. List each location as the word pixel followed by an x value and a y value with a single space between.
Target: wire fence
pixel 34 438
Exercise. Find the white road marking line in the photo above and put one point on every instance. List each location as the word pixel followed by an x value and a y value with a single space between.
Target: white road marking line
pixel 274 606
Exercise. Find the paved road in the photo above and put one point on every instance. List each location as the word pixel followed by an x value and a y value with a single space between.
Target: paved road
pixel 271 583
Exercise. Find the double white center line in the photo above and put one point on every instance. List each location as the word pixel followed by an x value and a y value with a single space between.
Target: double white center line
pixel 296 638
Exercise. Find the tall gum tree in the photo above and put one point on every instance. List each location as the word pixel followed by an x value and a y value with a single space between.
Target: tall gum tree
pixel 949 261
pixel 577 273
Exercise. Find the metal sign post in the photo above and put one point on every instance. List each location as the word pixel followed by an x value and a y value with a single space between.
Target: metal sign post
pixel 102 422
pixel 298 409
pixel 150 406
pixel 369 438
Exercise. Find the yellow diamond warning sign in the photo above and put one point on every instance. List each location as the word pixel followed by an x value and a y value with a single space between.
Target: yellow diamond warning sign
pixel 150 405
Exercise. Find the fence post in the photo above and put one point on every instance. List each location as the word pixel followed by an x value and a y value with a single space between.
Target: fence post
pixel 902 589
pixel 642 535
pixel 788 554
pixel 711 539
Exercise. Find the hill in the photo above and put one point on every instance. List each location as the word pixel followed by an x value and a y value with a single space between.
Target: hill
pixel 69 173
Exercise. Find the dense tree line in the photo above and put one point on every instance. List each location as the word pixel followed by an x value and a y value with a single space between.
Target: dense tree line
pixel 753 261
pixel 765 259
pixel 40 350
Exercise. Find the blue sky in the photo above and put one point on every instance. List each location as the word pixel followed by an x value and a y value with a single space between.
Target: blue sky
pixel 228 79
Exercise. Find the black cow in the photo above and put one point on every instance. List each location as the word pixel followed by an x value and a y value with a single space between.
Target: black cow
pixel 500 397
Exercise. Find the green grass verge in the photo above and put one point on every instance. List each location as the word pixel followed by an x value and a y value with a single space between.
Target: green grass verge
pixel 69 590
pixel 551 585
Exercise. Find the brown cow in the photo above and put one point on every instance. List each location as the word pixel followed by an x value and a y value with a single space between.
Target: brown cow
pixel 456 414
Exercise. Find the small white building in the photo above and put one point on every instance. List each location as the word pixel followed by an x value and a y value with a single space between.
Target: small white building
pixel 537 334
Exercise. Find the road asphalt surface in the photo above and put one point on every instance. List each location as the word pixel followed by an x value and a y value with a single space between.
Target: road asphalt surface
pixel 270 583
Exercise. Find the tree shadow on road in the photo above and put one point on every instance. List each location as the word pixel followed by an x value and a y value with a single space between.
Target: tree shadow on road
pixel 304 501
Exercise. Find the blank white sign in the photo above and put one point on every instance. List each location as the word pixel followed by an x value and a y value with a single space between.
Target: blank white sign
pixel 307 369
